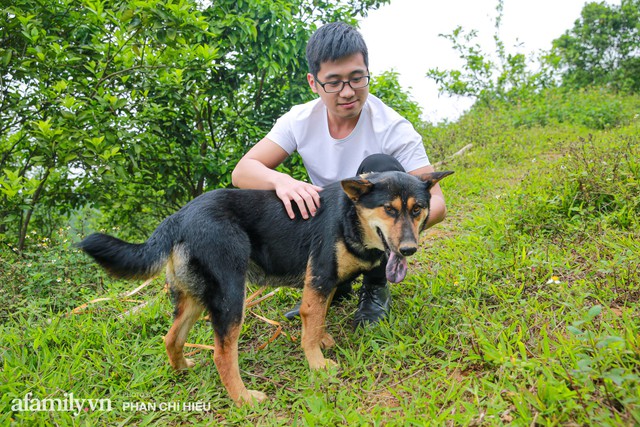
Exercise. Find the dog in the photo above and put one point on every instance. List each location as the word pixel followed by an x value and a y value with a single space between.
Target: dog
pixel 224 237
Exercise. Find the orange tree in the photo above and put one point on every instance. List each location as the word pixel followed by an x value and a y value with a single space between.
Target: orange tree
pixel 136 107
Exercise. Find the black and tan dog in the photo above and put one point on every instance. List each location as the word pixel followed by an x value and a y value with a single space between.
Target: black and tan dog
pixel 224 237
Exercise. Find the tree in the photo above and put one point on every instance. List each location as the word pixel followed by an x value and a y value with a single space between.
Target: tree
pixel 137 107
pixel 502 77
pixel 387 87
pixel 602 48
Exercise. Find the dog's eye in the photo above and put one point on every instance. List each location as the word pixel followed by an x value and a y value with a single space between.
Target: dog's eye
pixel 416 210
pixel 390 210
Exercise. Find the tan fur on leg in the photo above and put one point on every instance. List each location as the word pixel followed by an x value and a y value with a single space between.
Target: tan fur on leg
pixel 313 311
pixel 187 313
pixel 225 357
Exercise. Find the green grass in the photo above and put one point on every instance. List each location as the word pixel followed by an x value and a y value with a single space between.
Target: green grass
pixel 521 309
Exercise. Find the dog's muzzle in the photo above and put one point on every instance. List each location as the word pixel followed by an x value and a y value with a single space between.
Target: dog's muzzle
pixel 396 269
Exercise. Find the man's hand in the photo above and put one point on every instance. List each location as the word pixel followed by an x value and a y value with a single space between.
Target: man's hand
pixel 256 170
pixel 305 196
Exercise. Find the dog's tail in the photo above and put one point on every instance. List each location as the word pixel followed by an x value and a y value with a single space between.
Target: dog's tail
pixel 130 260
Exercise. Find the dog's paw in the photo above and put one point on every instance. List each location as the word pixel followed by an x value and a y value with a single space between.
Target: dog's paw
pixel 323 364
pixel 258 396
pixel 184 364
pixel 330 363
pixel 251 397
pixel 327 341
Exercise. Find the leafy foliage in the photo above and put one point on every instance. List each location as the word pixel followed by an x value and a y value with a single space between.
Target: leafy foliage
pixel 138 107
pixel 602 50
pixel 603 47
pixel 387 87
pixel 594 108
pixel 593 181
pixel 505 77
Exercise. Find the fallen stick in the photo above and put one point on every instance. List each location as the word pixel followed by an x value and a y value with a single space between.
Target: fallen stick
pixel 250 303
pixel 456 154
pixel 125 295
pixel 138 289
pixel 269 321
pixel 255 294
pixel 200 346
pixel 81 308
pixel 133 310
pixel 271 339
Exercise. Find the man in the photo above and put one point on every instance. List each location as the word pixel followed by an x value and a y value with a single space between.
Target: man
pixel 345 132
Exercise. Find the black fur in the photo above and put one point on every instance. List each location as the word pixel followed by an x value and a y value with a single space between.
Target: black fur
pixel 226 228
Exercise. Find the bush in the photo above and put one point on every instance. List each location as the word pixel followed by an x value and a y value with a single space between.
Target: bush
pixel 595 180
pixel 44 278
pixel 593 108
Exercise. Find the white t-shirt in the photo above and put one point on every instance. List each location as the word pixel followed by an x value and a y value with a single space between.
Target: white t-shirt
pixel 305 128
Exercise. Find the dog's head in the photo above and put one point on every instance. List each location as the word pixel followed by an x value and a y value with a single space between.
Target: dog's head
pixel 393 208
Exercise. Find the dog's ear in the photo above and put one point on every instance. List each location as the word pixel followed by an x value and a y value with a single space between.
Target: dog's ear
pixel 356 187
pixel 432 178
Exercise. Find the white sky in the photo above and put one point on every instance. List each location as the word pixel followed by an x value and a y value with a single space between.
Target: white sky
pixel 403 36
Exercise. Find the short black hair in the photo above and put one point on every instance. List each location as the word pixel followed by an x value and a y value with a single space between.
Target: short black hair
pixel 332 42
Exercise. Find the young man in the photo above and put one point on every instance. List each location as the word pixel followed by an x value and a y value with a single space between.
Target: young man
pixel 345 132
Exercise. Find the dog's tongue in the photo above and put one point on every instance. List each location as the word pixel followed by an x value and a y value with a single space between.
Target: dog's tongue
pixel 396 268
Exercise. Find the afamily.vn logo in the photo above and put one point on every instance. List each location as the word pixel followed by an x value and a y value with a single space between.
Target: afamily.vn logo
pixel 68 403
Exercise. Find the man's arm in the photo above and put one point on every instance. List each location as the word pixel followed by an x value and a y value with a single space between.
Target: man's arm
pixel 256 170
pixel 438 209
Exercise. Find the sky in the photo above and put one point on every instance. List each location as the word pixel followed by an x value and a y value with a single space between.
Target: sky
pixel 403 36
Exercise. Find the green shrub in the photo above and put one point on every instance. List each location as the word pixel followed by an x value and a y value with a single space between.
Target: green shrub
pixel 595 180
pixel 45 277
pixel 593 108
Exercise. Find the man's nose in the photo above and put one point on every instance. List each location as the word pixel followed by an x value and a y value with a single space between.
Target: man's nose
pixel 347 91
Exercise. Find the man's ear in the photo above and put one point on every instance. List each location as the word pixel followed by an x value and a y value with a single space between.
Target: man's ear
pixel 356 187
pixel 432 178
pixel 312 82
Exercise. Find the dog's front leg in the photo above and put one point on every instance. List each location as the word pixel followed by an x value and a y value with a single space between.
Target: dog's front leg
pixel 313 311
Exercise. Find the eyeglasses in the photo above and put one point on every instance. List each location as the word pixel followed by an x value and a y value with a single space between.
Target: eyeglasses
pixel 338 85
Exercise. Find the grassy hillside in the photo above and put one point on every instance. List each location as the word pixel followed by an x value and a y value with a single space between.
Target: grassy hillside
pixel 521 309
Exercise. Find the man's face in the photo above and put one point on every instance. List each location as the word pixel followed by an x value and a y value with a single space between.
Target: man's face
pixel 347 103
